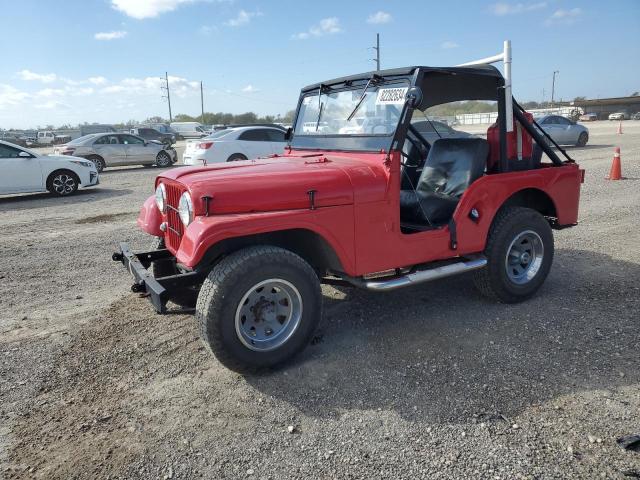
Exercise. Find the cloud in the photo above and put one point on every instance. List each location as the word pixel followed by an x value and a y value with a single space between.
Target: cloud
pixel 50 92
pixel 326 26
pixel 379 18
pixel 179 86
pixel 449 44
pixel 50 105
pixel 110 35
pixel 147 8
pixel 503 8
pixel 207 30
pixel 243 18
pixel 10 96
pixel 566 17
pixel 250 89
pixel 30 76
pixel 113 89
pixel 99 80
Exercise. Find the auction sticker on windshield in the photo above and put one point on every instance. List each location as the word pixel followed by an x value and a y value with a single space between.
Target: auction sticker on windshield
pixel 391 96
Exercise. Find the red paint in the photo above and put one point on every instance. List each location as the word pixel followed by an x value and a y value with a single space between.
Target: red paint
pixel 357 206
pixel 518 135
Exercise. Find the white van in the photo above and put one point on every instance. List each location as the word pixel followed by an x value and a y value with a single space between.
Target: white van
pixel 189 129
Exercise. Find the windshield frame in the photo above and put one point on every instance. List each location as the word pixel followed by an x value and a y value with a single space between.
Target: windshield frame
pixel 368 142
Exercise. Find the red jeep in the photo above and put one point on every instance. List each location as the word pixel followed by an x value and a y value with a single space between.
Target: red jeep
pixel 369 192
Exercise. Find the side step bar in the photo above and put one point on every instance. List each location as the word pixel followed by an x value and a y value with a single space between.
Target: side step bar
pixel 421 276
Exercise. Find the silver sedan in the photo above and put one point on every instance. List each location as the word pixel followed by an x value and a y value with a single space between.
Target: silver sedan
pixel 117 149
pixel 563 130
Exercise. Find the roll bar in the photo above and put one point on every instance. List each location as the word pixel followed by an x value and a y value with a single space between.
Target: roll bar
pixel 505 58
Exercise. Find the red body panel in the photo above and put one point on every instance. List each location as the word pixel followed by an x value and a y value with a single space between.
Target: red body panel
pixel 358 210
pixel 150 217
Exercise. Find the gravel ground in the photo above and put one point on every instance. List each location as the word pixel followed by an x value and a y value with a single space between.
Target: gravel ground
pixel 428 382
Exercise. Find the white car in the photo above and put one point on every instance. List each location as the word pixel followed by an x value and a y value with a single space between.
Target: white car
pixel 238 143
pixel 619 116
pixel 25 171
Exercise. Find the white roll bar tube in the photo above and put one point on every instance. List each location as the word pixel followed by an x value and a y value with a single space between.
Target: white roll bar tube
pixel 505 58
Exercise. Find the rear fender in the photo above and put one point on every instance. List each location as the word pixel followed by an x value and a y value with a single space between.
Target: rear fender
pixel 150 217
pixel 491 192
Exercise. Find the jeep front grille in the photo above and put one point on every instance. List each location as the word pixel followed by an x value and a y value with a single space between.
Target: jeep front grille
pixel 175 228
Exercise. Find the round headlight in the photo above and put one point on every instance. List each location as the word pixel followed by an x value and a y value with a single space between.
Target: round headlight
pixel 185 209
pixel 161 198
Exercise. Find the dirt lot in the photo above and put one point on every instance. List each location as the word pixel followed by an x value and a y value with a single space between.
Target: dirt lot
pixel 429 382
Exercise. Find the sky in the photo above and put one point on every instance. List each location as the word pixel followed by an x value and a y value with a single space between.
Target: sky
pixel 102 60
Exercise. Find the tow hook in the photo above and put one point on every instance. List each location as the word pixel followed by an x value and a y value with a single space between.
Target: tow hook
pixel 137 288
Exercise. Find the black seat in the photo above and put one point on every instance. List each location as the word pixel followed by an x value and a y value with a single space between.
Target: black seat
pixel 451 166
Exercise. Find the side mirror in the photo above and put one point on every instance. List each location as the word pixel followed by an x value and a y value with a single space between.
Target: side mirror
pixel 414 97
pixel 24 154
pixel 288 135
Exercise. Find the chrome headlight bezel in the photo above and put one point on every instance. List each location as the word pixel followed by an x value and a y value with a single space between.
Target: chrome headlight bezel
pixel 161 198
pixel 185 209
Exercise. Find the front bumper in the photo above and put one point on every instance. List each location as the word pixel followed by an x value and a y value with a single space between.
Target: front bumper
pixel 159 290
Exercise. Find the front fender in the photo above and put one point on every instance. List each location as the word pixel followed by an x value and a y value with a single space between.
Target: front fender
pixel 150 217
pixel 333 224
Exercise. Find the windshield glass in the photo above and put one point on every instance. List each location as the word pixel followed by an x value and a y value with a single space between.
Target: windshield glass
pixel 343 113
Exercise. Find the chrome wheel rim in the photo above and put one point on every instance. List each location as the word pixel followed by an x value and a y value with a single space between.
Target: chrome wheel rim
pixel 524 257
pixel 163 160
pixel 63 184
pixel 268 314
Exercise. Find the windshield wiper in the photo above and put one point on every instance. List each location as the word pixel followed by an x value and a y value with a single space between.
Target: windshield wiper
pixel 373 78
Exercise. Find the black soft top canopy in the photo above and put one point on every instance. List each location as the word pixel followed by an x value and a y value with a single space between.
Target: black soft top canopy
pixel 483 70
pixel 438 84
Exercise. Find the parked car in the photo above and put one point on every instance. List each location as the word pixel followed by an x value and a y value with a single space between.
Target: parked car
pixel 238 143
pixel 435 129
pixel 189 129
pixel 164 128
pixel 149 133
pixel 26 171
pixel 588 117
pixel 636 116
pixel 96 128
pixel 563 130
pixel 117 149
pixel 619 116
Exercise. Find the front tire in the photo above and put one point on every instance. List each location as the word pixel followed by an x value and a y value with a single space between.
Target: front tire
pixel 163 160
pixel 63 183
pixel 519 254
pixel 583 138
pixel 258 307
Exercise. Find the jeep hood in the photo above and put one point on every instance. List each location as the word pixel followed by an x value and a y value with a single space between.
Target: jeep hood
pixel 270 184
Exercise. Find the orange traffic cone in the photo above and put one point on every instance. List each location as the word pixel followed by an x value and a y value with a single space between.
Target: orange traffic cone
pixel 620 128
pixel 616 168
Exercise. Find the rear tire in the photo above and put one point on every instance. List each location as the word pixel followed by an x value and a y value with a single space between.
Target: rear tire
pixel 63 183
pixel 519 255
pixel 583 138
pixel 166 268
pixel 98 162
pixel 259 307
pixel 236 157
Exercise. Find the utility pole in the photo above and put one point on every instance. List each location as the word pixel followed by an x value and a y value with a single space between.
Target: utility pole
pixel 377 49
pixel 201 101
pixel 168 96
pixel 553 85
